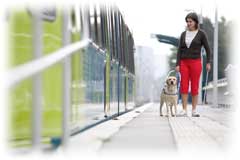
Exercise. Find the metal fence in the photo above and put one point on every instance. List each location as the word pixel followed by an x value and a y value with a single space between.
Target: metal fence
pixel 225 96
pixel 34 69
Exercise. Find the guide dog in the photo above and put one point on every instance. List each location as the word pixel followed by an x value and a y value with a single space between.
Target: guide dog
pixel 169 96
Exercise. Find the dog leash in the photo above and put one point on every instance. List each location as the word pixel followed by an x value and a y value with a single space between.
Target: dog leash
pixel 178 75
pixel 205 92
pixel 169 74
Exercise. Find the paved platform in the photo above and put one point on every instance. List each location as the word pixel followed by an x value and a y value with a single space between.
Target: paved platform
pixel 144 130
pixel 211 131
pixel 148 131
pixel 93 139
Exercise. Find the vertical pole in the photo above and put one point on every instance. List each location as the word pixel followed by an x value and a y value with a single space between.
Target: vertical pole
pixel 66 80
pixel 205 92
pixel 200 81
pixel 202 51
pixel 104 83
pixel 118 87
pixel 215 61
pixel 37 88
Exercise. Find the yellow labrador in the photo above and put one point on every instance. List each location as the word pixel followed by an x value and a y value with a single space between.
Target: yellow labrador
pixel 169 96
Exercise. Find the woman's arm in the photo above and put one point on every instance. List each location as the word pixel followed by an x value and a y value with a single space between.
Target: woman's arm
pixel 178 51
pixel 206 46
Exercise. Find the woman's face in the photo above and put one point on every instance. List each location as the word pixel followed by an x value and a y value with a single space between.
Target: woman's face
pixel 191 24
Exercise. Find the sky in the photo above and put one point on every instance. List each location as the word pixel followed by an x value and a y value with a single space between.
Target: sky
pixel 167 17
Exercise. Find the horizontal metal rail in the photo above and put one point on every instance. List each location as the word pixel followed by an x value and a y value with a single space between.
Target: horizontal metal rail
pixel 24 71
pixel 220 83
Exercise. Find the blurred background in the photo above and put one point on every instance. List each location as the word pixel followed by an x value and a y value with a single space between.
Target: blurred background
pixel 122 66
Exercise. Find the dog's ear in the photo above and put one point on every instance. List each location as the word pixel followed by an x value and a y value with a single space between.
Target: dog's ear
pixel 175 80
pixel 167 81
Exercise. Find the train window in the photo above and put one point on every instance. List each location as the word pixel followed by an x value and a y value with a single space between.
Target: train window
pixel 103 26
pixel 95 24
pixel 116 16
pixel 73 21
pixel 119 34
pixel 113 33
pixel 91 11
pixel 77 18
pixel 126 47
pixel 92 21
pixel 109 37
pixel 120 37
pixel 116 32
pixel 122 40
pixel 88 20
pixel 81 22
pixel 106 27
pixel 99 25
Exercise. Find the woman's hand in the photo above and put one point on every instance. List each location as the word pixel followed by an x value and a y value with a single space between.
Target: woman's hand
pixel 177 69
pixel 208 67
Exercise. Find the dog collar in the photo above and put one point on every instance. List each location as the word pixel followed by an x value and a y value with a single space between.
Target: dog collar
pixel 169 93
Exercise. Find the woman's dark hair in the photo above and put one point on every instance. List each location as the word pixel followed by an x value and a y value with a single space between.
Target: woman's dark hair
pixel 194 17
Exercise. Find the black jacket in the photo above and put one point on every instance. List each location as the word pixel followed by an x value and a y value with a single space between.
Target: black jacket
pixel 194 51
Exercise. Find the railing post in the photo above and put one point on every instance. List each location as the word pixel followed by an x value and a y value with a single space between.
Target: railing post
pixel 86 19
pixel 37 83
pixel 215 62
pixel 66 80
pixel 118 87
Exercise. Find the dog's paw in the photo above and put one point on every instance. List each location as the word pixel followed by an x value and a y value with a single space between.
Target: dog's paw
pixel 161 115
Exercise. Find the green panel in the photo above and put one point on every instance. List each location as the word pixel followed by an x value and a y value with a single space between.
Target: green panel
pixel 77 81
pixel 52 78
pixel 20 102
pixel 20 97
pixel 20 38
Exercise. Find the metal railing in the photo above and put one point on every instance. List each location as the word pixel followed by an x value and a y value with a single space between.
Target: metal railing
pixel 224 94
pixel 35 67
pixel 220 83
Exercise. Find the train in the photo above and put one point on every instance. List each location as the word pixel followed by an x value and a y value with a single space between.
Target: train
pixel 102 77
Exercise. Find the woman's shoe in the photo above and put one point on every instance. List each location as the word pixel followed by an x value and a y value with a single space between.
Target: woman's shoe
pixel 195 114
pixel 182 114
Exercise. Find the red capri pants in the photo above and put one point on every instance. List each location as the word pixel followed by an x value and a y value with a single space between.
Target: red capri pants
pixel 190 70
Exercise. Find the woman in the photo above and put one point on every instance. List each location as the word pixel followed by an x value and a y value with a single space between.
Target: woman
pixel 189 61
